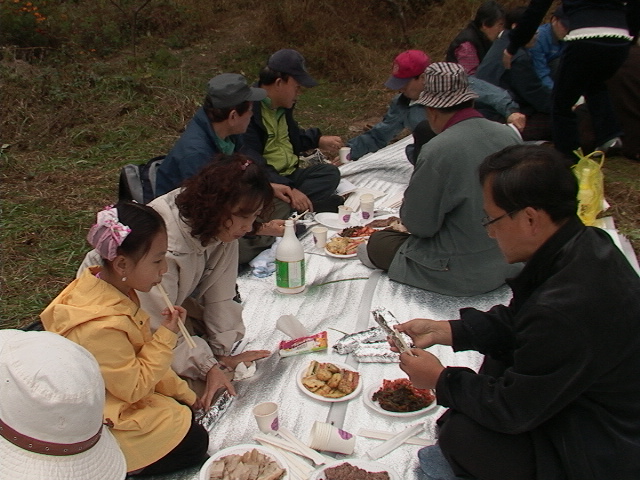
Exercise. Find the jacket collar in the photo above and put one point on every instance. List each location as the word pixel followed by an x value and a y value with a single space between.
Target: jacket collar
pixel 544 261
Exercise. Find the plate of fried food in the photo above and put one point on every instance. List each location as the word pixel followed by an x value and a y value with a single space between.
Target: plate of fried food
pixel 329 381
pixel 343 247
pixel 245 461
pixel 399 398
pixel 354 469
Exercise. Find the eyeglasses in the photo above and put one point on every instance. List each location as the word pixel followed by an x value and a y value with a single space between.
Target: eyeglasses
pixel 486 221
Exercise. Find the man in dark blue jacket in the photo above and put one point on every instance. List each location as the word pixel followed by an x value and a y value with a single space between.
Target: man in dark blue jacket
pixel 558 394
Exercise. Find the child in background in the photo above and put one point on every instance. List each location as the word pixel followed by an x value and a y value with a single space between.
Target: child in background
pixel 146 401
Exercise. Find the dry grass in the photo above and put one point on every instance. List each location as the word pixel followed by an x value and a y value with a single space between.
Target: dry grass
pixel 72 123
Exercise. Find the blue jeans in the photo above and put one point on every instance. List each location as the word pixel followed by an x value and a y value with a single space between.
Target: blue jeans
pixel 434 466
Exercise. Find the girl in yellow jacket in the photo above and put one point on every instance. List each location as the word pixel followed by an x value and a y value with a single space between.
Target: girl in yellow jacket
pixel 147 403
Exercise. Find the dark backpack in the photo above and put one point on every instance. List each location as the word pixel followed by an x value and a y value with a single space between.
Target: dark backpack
pixel 138 182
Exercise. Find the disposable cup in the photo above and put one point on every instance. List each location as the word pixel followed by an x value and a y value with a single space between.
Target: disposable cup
pixel 345 154
pixel 266 416
pixel 319 236
pixel 328 438
pixel 344 215
pixel 366 206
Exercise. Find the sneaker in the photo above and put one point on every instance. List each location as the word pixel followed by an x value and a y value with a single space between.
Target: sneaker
pixel 611 147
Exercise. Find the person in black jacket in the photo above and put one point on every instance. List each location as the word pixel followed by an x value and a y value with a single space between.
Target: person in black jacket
pixel 597 45
pixel 558 394
pixel 473 42
pixel 275 135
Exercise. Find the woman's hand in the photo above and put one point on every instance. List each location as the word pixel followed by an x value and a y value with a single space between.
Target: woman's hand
pixel 171 318
pixel 274 228
pixel 216 379
pixel 423 368
pixel 425 332
pixel 249 356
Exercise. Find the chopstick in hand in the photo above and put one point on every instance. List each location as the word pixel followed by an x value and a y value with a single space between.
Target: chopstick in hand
pixel 183 329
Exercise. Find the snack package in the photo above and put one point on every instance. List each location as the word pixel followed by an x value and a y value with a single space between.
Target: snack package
pixel 311 343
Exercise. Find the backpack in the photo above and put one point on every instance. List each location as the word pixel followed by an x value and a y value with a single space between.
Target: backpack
pixel 138 182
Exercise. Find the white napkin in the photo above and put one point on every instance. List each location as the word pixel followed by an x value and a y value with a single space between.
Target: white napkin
pixel 290 325
pixel 394 442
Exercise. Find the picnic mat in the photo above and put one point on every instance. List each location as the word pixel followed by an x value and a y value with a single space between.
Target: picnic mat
pixel 339 297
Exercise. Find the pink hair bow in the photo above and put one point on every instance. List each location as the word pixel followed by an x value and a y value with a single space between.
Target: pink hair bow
pixel 108 233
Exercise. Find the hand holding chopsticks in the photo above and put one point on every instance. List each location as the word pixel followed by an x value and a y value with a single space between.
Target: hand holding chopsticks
pixel 183 329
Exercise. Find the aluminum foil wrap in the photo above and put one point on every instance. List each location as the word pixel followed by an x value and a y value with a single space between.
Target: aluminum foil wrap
pixel 209 418
pixel 378 352
pixel 351 341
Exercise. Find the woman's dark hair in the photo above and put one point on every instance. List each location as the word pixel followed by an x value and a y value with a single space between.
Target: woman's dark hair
pixel 217 115
pixel 269 76
pixel 230 184
pixel 488 14
pixel 532 176
pixel 145 223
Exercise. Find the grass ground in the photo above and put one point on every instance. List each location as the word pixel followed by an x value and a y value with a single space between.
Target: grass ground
pixel 69 126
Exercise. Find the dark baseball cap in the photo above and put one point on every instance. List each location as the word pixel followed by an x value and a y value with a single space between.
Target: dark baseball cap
pixel 560 15
pixel 291 62
pixel 231 89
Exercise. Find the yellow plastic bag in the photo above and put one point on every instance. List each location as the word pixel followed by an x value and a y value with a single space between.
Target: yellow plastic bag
pixel 588 170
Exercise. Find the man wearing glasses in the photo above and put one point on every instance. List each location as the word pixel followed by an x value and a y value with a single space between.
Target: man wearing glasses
pixel 558 393
pixel 443 247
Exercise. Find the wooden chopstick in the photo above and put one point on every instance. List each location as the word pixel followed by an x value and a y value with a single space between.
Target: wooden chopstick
pixel 183 329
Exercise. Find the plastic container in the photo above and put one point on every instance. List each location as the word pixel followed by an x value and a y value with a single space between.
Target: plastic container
pixel 290 262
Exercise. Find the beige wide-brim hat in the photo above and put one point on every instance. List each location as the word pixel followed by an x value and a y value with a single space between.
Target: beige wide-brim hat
pixel 52 399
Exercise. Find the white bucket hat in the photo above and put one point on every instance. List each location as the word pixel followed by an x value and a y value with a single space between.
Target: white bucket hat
pixel 51 404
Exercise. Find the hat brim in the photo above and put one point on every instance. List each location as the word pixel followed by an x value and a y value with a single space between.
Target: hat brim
pixel 103 461
pixel 395 83
pixel 257 94
pixel 305 80
pixel 445 99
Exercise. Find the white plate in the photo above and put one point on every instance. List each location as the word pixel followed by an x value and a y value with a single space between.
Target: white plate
pixel 331 220
pixel 239 450
pixel 371 403
pixel 367 465
pixel 351 255
pixel 325 399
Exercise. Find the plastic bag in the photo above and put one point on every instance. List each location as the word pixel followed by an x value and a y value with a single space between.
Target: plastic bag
pixel 588 170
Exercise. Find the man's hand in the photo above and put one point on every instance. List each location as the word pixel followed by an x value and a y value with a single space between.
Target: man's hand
pixel 216 379
pixel 422 367
pixel 425 332
pixel 171 318
pixel 232 362
pixel 274 228
pixel 300 202
pixel 283 192
pixel 506 59
pixel 518 120
pixel 330 143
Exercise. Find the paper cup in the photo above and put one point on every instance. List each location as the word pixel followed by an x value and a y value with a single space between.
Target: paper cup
pixel 345 154
pixel 319 236
pixel 344 215
pixel 366 206
pixel 267 416
pixel 328 438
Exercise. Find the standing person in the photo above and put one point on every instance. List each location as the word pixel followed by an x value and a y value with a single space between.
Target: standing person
pixel 473 42
pixel 274 134
pixel 216 128
pixel 444 249
pixel 147 403
pixel 408 77
pixel 558 393
pixel 596 46
pixel 51 403
pixel 545 54
pixel 205 219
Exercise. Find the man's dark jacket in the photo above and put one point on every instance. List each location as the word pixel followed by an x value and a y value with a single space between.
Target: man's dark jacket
pixel 562 361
